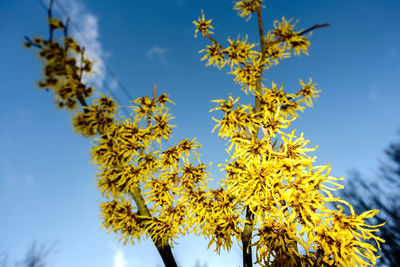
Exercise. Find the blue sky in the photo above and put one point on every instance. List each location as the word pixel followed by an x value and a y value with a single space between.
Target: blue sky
pixel 47 190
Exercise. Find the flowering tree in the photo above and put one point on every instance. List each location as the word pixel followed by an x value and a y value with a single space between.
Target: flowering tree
pixel 272 199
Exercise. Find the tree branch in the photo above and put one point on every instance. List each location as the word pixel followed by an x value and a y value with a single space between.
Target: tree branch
pixel 248 227
pixel 164 251
pixel 280 40
pixel 316 26
pixel 49 15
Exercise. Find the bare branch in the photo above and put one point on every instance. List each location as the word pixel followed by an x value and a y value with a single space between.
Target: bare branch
pixel 316 26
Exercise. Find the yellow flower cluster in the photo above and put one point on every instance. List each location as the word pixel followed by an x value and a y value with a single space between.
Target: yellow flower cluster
pixel 246 63
pixel 273 177
pixel 65 65
pixel 285 35
pixel 131 163
pixel 247 7
pixel 271 187
pixel 95 119
pixel 218 219
pixel 119 217
pixel 238 121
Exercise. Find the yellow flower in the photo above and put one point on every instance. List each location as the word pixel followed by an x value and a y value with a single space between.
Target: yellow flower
pixel 283 29
pixel 160 192
pixel 234 121
pixel 215 55
pixel 203 25
pixel 275 52
pixel 247 76
pixel 55 23
pixel 308 92
pixel 92 121
pixel 162 230
pixel 120 218
pixel 106 103
pixel 192 176
pixel 223 220
pixel 273 122
pixel 247 7
pixel 239 51
pixel 115 182
pixel 299 44
pixel 162 128
pixel 277 243
pixel 295 148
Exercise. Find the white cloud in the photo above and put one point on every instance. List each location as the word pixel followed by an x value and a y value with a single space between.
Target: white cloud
pixel 113 85
pixel 84 27
pixel 159 52
pixel 119 259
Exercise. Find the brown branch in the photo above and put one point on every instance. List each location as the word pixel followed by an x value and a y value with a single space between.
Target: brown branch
pixel 81 68
pixel 280 40
pixel 165 251
pixel 79 96
pixel 213 40
pixel 246 238
pixel 30 43
pixel 248 227
pixel 153 100
pixel 260 28
pixel 66 26
pixel 316 26
pixel 154 91
pixel 49 15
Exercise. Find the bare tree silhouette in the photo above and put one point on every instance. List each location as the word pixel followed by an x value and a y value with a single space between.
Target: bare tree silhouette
pixel 36 256
pixel 382 192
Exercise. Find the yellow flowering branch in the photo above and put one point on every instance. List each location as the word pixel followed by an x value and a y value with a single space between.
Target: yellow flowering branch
pixel 63 74
pixel 248 228
pixel 286 197
pixel 271 187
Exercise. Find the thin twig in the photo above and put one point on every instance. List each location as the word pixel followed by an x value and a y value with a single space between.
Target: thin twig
pixel 79 96
pixel 49 15
pixel 316 26
pixel 66 27
pixel 29 42
pixel 154 91
pixel 213 40
pixel 153 100
pixel 281 39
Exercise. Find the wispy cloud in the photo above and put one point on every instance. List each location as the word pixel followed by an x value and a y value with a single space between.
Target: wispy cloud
pixel 85 28
pixel 113 85
pixel 160 53
pixel 119 259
